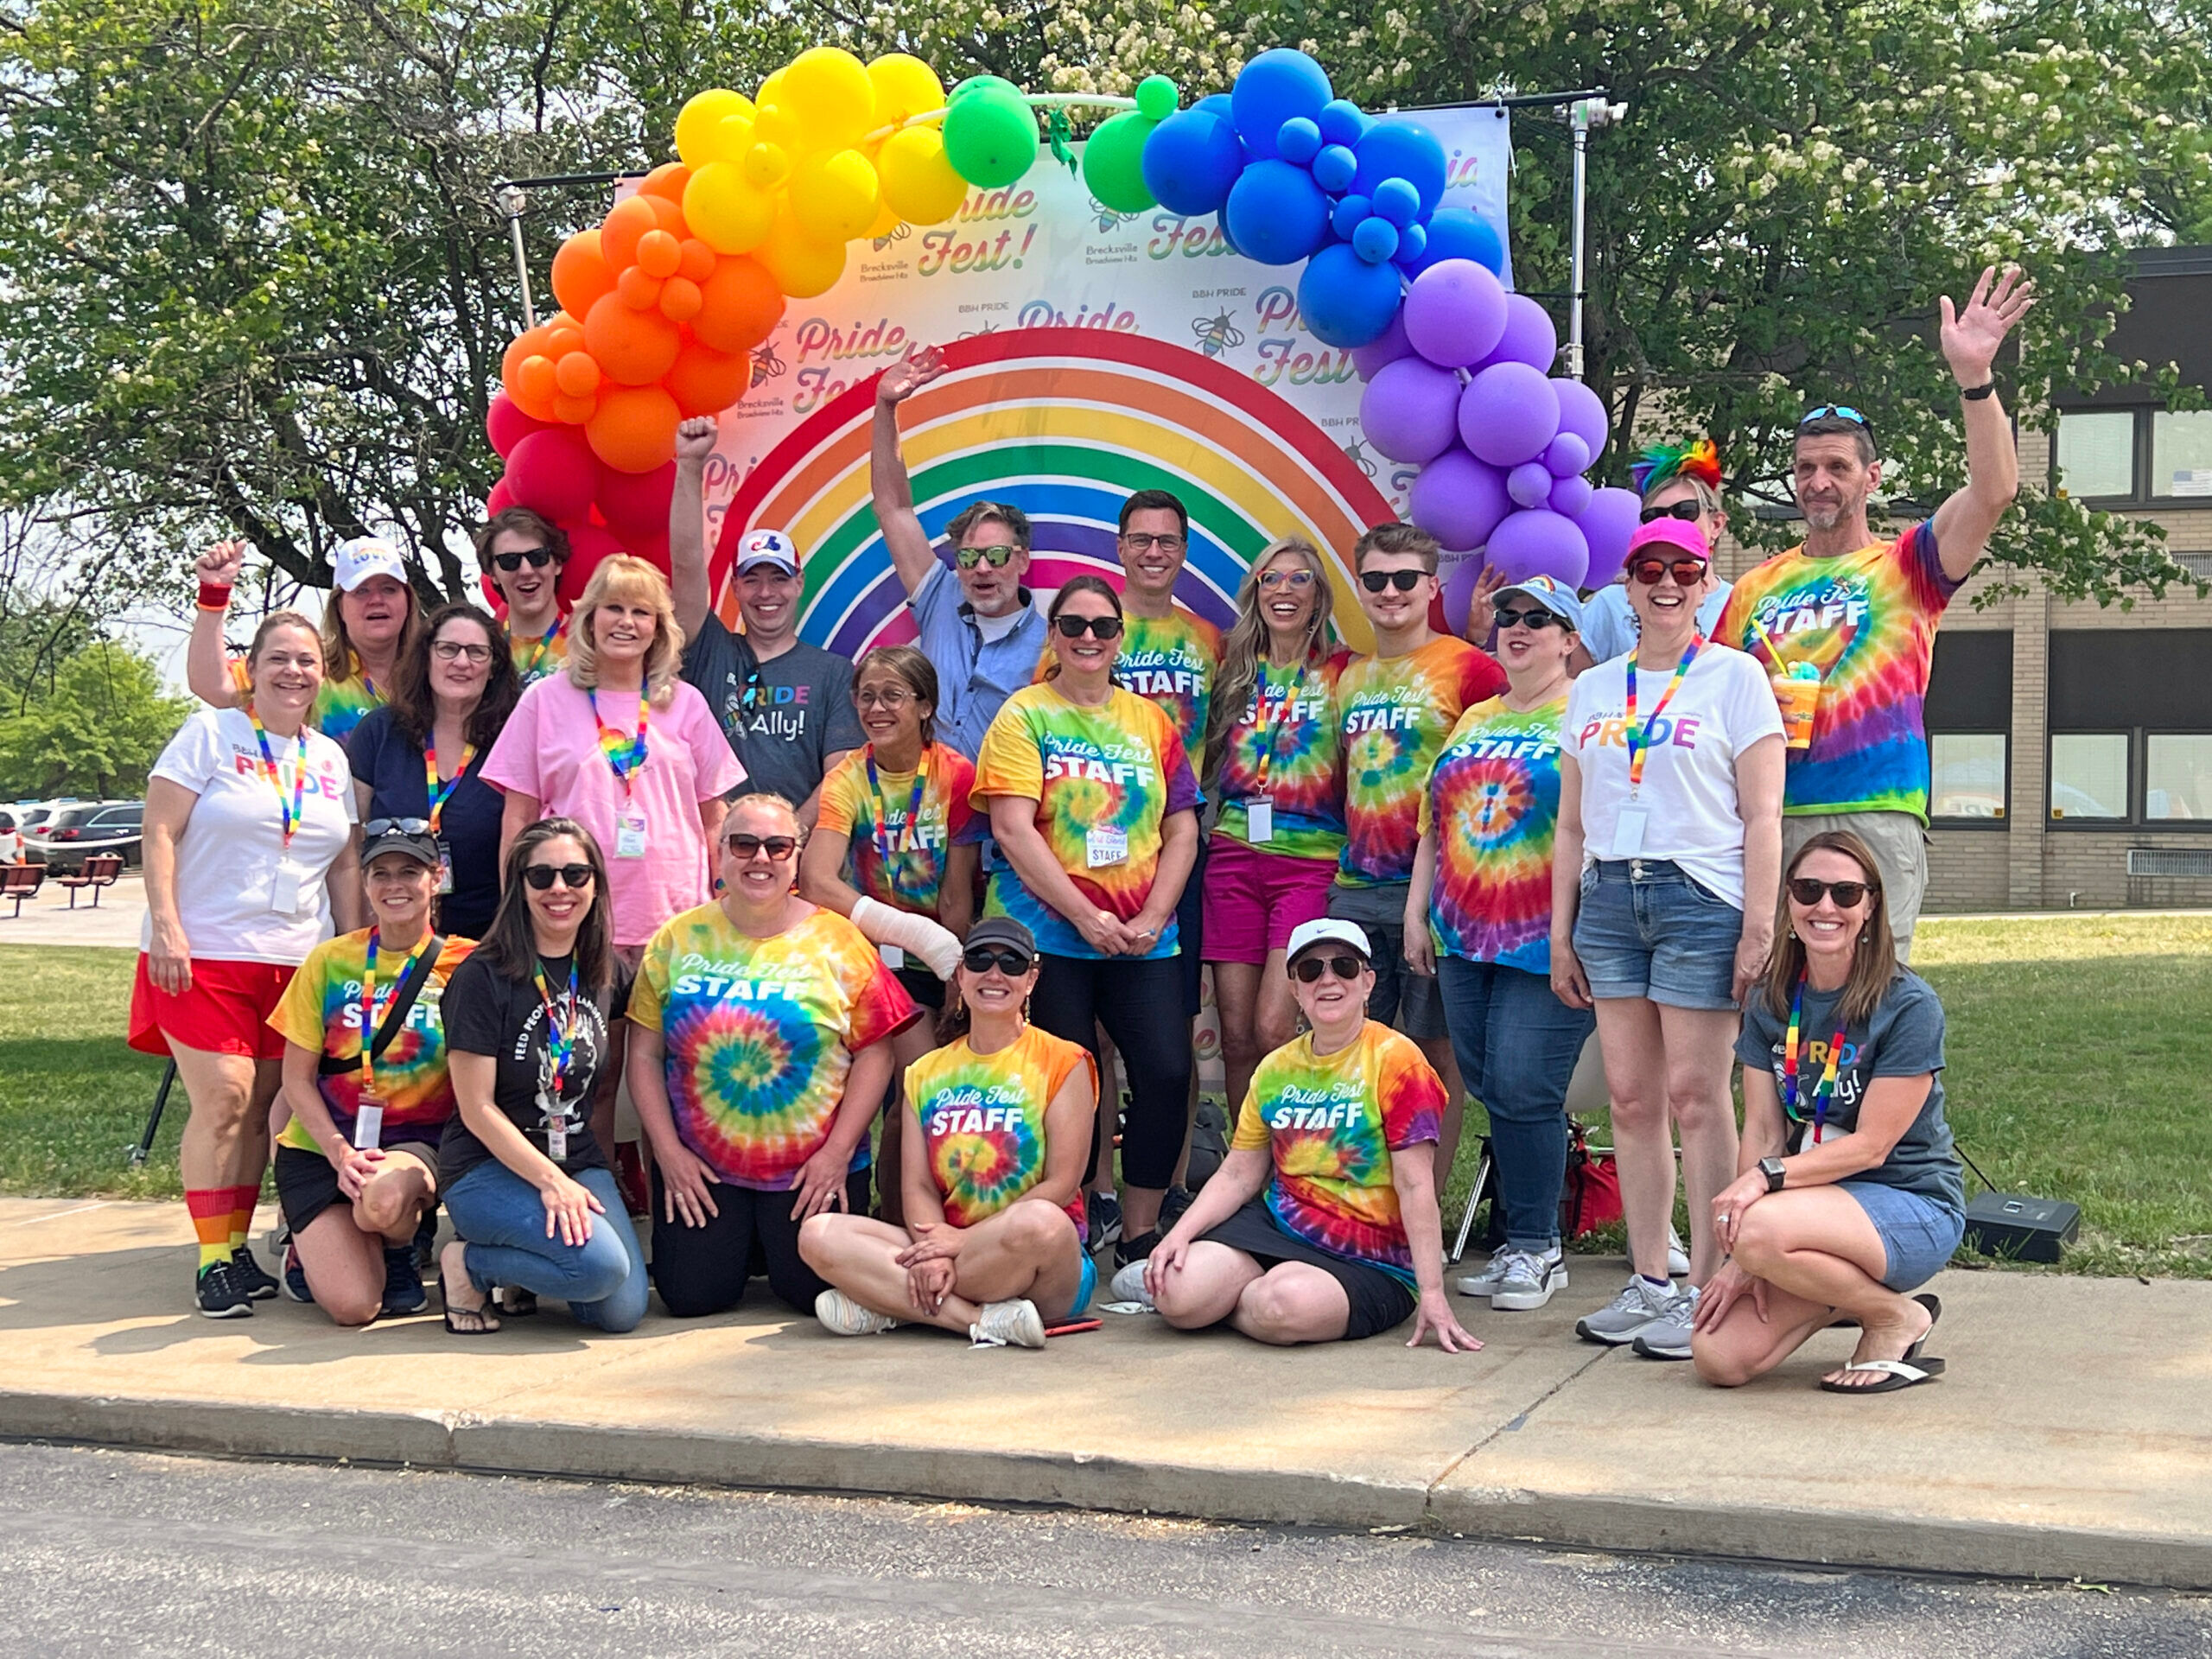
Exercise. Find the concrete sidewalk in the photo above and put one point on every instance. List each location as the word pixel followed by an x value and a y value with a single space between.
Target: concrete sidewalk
pixel 2071 1438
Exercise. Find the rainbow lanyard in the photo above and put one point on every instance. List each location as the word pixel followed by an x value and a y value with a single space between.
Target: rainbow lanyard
pixel 626 756
pixel 1824 1090
pixel 1291 693
pixel 544 644
pixel 369 1007
pixel 560 1036
pixel 910 833
pixel 290 810
pixel 1636 735
pixel 440 792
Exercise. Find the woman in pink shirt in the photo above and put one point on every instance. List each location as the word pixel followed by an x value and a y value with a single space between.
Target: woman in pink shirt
pixel 618 742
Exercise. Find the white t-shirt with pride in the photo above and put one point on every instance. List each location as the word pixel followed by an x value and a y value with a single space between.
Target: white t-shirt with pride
pixel 227 858
pixel 1723 706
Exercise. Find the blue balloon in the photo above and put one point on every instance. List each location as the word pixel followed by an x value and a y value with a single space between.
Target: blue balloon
pixel 1190 161
pixel 1400 150
pixel 1274 87
pixel 1413 242
pixel 1398 201
pixel 1345 301
pixel 1348 214
pixel 1217 103
pixel 1375 240
pixel 1221 224
pixel 1333 168
pixel 1299 142
pixel 1455 233
pixel 1276 214
pixel 1341 121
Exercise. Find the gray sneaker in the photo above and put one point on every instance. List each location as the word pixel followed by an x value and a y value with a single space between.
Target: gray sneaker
pixel 841 1313
pixel 1128 1285
pixel 1485 1282
pixel 1671 1340
pixel 1528 1280
pixel 1629 1315
pixel 1014 1323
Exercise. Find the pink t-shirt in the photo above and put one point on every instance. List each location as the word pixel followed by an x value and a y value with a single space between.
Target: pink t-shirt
pixel 550 749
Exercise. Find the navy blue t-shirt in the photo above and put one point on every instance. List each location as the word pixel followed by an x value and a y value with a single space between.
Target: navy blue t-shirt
pixel 390 763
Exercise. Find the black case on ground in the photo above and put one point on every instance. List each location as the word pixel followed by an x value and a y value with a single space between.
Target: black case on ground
pixel 2016 1228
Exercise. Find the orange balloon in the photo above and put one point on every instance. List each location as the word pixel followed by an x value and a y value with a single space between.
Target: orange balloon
pixel 576 374
pixel 667 180
pixel 639 289
pixel 634 348
pixel 574 411
pixel 705 381
pixel 534 388
pixel 579 273
pixel 698 261
pixel 680 299
pixel 659 253
pixel 740 306
pixel 634 430
pixel 626 222
pixel 528 344
pixel 562 335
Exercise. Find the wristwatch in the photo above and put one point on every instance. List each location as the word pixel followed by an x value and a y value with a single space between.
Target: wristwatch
pixel 1975 394
pixel 1771 1168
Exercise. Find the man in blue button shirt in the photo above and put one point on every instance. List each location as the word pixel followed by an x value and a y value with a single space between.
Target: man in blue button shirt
pixel 977 623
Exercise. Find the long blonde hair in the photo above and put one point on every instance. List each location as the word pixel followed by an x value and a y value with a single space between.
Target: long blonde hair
pixel 1246 642
pixel 624 578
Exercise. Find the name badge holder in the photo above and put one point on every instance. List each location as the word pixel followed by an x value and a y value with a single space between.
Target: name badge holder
pixel 285 888
pixel 1259 819
pixel 1105 844
pixel 625 757
pixel 368 1124
pixel 630 835
pixel 556 1125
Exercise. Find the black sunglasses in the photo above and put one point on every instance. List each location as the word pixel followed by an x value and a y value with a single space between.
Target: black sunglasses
pixel 1807 891
pixel 541 876
pixel 778 847
pixel 1688 512
pixel 998 557
pixel 1529 619
pixel 376 827
pixel 1310 968
pixel 1074 627
pixel 536 557
pixel 1687 572
pixel 983 959
pixel 1404 581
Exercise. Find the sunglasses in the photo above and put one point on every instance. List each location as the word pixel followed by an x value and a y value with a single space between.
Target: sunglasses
pixel 778 847
pixel 1404 581
pixel 983 959
pixel 542 876
pixel 1310 968
pixel 1807 891
pixel 998 557
pixel 1688 512
pixel 376 827
pixel 1687 572
pixel 1279 578
pixel 1506 618
pixel 1103 627
pixel 1835 412
pixel 536 557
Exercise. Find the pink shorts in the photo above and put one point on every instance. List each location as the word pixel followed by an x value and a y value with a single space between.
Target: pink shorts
pixel 1253 899
pixel 226 1012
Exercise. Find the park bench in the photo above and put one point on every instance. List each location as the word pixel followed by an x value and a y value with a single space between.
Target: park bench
pixel 100 870
pixel 22 882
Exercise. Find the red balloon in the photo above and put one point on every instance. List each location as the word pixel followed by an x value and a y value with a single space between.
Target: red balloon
pixel 553 473
pixel 506 425
pixel 501 497
pixel 651 545
pixel 636 501
pixel 588 545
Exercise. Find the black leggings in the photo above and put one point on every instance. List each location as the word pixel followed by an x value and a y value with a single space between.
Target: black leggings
pixel 1140 1002
pixel 701 1270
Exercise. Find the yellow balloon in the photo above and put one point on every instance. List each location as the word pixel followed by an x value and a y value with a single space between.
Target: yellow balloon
pixel 766 166
pixel 834 196
pixel 826 90
pixel 733 137
pixel 699 126
pixel 725 212
pixel 905 85
pixel 770 88
pixel 802 265
pixel 918 183
pixel 886 222
pixel 773 123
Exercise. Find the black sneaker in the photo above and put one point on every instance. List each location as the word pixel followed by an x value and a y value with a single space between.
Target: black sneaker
pixel 426 1241
pixel 1103 1212
pixel 296 1278
pixel 1137 1248
pixel 258 1282
pixel 221 1294
pixel 402 1281
pixel 1172 1206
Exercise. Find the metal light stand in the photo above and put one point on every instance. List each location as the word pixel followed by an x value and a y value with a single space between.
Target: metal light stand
pixel 512 197
pixel 1583 116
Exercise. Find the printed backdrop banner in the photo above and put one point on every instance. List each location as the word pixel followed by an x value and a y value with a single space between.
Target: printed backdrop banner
pixel 1092 353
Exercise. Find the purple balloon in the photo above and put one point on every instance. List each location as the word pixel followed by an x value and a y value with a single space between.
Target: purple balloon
pixel 1509 412
pixel 1606 524
pixel 1458 500
pixel 1570 495
pixel 1582 413
pixel 1530 336
pixel 1455 313
pixel 1459 591
pixel 1566 454
pixel 1410 411
pixel 1529 484
pixel 1388 348
pixel 1539 542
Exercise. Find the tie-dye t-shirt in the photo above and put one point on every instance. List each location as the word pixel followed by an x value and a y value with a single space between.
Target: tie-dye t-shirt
pixel 1171 661
pixel 1287 748
pixel 339 706
pixel 535 659
pixel 1867 621
pixel 982 1119
pixel 873 818
pixel 1331 1123
pixel 759 1035
pixel 1104 780
pixel 320 1010
pixel 1395 713
pixel 1493 801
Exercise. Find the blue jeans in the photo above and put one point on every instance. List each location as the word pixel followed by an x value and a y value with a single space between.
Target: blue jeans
pixel 503 1220
pixel 1516 1044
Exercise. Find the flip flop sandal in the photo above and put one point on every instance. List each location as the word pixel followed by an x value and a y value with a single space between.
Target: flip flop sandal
pixel 1896 1374
pixel 487 1319
pixel 1933 1304
pixel 516 1303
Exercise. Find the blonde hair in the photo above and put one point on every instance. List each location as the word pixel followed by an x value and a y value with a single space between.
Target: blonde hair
pixel 624 578
pixel 271 624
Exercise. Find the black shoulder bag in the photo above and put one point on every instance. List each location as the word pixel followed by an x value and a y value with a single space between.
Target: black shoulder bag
pixel 402 999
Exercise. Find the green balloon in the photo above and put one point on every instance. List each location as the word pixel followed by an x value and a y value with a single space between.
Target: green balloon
pixel 990 138
pixel 977 83
pixel 1156 98
pixel 1113 162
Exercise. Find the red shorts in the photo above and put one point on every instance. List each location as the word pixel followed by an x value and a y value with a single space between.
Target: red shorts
pixel 226 1012
pixel 1253 899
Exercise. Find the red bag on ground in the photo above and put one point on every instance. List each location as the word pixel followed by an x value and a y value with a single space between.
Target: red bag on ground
pixel 1591 1197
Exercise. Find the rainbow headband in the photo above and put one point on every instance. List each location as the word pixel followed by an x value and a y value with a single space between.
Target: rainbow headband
pixel 1664 462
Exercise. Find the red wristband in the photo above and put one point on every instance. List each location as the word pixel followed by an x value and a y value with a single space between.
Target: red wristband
pixel 213 597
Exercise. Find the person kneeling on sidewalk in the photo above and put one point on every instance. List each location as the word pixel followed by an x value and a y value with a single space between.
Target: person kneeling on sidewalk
pixel 992 1168
pixel 1340 1128
pixel 1851 1194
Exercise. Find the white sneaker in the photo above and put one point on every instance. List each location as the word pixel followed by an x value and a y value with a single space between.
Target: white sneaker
pixel 1485 1282
pixel 842 1315
pixel 1640 1308
pixel 1016 1323
pixel 1128 1285
pixel 1528 1280
pixel 1678 1258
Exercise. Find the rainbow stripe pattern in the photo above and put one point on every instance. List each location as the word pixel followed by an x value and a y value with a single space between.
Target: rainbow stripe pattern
pixel 1394 713
pixel 981 1117
pixel 874 818
pixel 342 705
pixel 1493 803
pixel 1291 721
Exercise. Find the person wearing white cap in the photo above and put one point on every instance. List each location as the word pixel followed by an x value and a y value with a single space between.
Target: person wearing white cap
pixel 1339 1130
pixel 786 706
pixel 371 618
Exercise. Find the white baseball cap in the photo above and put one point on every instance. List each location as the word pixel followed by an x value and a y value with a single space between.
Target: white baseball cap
pixel 365 557
pixel 760 547
pixel 1307 934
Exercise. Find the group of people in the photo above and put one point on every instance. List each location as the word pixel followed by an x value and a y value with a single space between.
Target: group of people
pixel 426 893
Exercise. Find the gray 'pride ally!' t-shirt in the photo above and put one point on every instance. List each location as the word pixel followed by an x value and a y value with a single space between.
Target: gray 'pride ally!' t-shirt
pixel 784 723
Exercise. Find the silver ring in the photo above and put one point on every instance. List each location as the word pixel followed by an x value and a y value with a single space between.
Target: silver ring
pixel 1725 1214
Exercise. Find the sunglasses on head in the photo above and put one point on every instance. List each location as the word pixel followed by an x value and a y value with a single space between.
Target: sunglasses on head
pixel 1529 619
pixel 542 876
pixel 1688 512
pixel 376 827
pixel 1687 572
pixel 778 847
pixel 1277 578
pixel 1835 412
pixel 1310 968
pixel 983 959
pixel 1103 627
pixel 536 557
pixel 998 557
pixel 1404 581
pixel 1807 891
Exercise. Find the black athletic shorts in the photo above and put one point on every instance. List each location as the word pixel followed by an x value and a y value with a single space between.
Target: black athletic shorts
pixel 1378 1299
pixel 306 1182
pixel 701 1270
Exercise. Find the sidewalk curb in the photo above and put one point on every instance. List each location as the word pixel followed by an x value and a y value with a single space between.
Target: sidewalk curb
pixel 468 1442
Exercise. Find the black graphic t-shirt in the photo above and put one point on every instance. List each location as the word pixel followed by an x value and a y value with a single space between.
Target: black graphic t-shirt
pixel 487 1013
pixel 782 717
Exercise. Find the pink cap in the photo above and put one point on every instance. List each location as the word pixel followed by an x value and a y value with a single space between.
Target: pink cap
pixel 1677 533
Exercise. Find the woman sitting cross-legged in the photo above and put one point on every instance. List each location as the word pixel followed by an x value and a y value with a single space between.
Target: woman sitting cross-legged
pixel 993 1164
pixel 1850 1195
pixel 1341 1127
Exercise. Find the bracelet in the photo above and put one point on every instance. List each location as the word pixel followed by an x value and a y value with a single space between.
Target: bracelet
pixel 1975 394
pixel 212 598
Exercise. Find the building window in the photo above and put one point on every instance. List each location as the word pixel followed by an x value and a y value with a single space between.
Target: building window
pixel 2096 455
pixel 2133 456
pixel 2177 777
pixel 1969 714
pixel 2089 776
pixel 2181 454
pixel 1966 775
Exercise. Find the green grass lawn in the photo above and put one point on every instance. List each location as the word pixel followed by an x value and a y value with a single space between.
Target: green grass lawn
pixel 2080 1050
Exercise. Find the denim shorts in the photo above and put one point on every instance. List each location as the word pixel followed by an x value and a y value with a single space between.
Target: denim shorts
pixel 1646 929
pixel 1918 1233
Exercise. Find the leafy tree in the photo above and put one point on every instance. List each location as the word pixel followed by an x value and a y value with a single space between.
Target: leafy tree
pixel 96 732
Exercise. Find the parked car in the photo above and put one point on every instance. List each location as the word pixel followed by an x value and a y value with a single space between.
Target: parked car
pixel 65 841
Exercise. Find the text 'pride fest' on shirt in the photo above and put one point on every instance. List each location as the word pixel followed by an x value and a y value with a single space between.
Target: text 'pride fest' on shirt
pixel 1286 750
pixel 981 1118
pixel 1170 660
pixel 890 862
pixel 1395 713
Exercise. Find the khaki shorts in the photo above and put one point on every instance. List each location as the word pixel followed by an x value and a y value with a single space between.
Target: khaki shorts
pixel 1900 847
